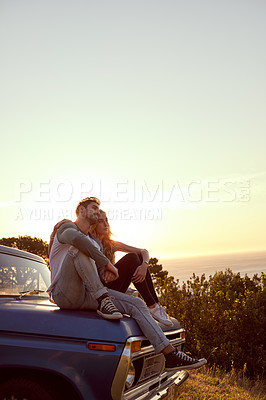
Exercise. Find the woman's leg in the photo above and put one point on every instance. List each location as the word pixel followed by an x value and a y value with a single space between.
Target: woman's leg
pixel 127 266
pixel 147 291
pixel 126 269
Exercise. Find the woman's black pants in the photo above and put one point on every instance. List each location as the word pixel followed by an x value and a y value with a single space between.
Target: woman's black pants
pixel 127 266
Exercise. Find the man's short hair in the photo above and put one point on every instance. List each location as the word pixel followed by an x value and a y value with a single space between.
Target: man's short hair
pixel 87 201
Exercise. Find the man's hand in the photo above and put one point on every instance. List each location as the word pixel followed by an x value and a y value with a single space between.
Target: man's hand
pixel 110 273
pixel 57 226
pixel 140 274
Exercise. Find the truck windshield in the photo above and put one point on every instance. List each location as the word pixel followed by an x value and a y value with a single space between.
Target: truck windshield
pixel 19 274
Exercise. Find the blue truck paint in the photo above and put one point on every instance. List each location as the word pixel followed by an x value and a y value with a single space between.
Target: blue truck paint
pixel 42 344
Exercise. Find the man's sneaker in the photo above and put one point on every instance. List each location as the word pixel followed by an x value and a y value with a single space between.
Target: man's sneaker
pixel 177 360
pixel 158 312
pixel 108 310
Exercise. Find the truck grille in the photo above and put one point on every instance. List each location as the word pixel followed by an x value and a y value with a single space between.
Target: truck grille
pixel 173 336
pixel 146 368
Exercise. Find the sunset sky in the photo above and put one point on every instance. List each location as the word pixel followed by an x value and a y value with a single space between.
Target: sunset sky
pixel 155 107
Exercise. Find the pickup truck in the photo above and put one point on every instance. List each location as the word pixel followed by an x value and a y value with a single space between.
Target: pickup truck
pixel 52 354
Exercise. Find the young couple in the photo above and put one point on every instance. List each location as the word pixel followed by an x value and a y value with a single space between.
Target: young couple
pixel 83 277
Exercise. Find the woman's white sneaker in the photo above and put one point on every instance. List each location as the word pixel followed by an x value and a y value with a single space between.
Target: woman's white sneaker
pixel 158 312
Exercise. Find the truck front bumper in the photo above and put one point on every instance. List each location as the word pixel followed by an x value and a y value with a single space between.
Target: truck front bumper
pixel 164 389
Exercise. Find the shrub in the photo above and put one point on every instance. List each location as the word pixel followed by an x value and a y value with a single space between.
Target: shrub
pixel 224 317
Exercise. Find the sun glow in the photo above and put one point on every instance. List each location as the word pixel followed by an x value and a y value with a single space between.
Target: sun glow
pixel 171 142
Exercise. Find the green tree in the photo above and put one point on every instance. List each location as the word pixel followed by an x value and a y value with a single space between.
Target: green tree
pixel 224 317
pixel 27 243
pixel 156 271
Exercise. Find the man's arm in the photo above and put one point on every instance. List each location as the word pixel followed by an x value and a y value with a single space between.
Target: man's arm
pixel 56 227
pixel 69 233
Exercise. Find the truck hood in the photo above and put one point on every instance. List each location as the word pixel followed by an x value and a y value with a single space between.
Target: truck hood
pixel 33 315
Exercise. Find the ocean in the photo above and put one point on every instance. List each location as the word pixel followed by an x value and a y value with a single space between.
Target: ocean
pixel 246 263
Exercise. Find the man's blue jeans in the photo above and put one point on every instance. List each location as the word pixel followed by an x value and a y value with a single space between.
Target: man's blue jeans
pixel 79 286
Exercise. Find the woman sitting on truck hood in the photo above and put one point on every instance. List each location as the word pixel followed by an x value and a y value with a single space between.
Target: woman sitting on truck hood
pixel 133 267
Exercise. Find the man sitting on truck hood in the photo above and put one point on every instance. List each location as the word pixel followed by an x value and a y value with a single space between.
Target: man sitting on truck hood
pixel 79 271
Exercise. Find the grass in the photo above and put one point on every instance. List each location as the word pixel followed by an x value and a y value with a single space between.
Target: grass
pixel 214 384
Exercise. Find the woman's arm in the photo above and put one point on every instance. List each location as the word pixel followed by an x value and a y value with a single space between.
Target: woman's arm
pixel 131 249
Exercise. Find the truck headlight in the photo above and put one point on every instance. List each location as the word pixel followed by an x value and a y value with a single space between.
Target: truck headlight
pixel 130 376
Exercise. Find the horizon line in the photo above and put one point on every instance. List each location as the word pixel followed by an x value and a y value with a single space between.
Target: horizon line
pixel 187 255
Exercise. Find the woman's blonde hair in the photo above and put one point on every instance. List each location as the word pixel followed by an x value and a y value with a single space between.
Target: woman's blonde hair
pixel 107 242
